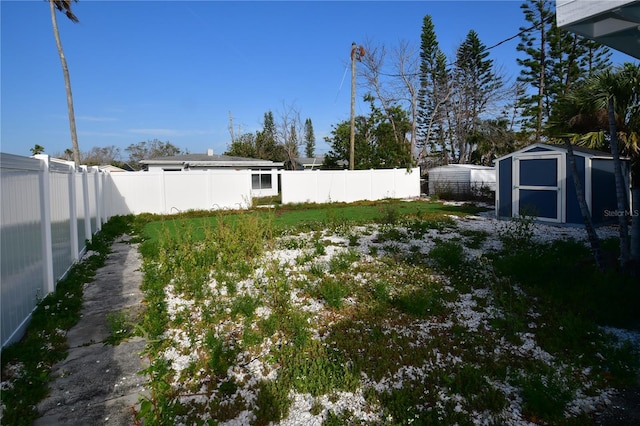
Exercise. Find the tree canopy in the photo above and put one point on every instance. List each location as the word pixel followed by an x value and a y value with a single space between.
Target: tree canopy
pixel 147 150
pixel 376 139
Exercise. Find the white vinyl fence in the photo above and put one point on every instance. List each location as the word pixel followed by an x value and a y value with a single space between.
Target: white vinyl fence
pixel 326 186
pixel 50 209
pixel 175 192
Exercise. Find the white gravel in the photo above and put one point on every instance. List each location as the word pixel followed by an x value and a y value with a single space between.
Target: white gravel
pixel 255 367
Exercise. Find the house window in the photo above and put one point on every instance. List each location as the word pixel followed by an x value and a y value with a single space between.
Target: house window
pixel 261 181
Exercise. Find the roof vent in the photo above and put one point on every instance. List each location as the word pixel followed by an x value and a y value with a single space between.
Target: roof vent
pixel 210 152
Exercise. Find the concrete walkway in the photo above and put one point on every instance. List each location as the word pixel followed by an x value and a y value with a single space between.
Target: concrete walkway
pixel 99 383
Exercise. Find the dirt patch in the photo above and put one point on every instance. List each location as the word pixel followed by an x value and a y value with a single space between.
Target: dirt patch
pixel 624 409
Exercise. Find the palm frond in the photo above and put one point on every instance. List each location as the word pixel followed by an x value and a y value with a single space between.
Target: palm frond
pixel 64 6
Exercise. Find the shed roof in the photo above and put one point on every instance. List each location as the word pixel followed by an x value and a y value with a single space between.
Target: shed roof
pixel 542 147
pixel 462 166
pixel 310 161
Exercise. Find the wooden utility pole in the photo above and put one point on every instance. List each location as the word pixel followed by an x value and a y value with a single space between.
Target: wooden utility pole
pixel 352 135
pixel 233 139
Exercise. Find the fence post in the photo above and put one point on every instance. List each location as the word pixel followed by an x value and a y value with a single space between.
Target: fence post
pixel 45 207
pixel 107 188
pixel 87 210
pixel 73 212
pixel 96 182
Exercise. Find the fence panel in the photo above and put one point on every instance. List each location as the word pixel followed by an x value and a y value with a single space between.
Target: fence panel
pixel 407 183
pixel 22 263
pixel 359 185
pixel 134 193
pixel 173 192
pixel 80 210
pixel 230 189
pixel 59 176
pixel 48 212
pixel 325 186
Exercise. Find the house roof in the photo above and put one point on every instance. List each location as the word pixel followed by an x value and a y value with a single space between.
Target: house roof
pixel 112 168
pixel 613 23
pixel 542 147
pixel 210 160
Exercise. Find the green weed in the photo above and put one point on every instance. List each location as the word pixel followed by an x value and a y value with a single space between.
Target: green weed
pixel 333 291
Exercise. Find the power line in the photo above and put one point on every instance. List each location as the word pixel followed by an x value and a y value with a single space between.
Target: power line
pixel 526 30
pixel 340 88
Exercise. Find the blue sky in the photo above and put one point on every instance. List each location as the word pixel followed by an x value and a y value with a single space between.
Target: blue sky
pixel 174 70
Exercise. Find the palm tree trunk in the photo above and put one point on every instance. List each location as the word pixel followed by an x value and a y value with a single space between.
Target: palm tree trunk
pixel 635 215
pixel 621 194
pixel 594 240
pixel 67 83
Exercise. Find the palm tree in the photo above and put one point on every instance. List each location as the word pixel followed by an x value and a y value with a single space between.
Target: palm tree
pixel 619 90
pixel 564 124
pixel 612 101
pixel 65 7
pixel 37 149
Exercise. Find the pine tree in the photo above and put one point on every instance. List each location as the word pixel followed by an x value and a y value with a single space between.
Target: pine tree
pixel 475 86
pixel 309 139
pixel 556 61
pixel 534 72
pixel 267 147
pixel 431 71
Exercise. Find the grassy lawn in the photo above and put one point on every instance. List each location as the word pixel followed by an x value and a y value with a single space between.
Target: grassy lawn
pixel 381 313
pixel 391 313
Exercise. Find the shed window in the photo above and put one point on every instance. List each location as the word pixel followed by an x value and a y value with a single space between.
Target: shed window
pixel 261 181
pixel 539 172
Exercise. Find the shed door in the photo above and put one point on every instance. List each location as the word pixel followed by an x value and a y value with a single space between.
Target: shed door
pixel 538 186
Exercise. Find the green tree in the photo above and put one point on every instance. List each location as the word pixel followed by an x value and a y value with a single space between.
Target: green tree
pixel 618 92
pixel 99 156
pixel 291 147
pixel 562 126
pixel 555 60
pixel 476 85
pixel 267 147
pixel 375 140
pixel 309 139
pixel 243 146
pixel 607 117
pixel 65 7
pixel 434 90
pixel 533 71
pixel 492 138
pixel 37 149
pixel 150 149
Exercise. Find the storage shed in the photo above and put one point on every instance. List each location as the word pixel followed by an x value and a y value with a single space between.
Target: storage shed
pixel 537 181
pixel 461 179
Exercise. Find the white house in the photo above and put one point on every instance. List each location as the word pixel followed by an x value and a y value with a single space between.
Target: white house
pixel 264 176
